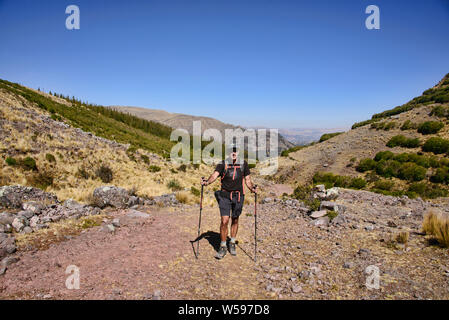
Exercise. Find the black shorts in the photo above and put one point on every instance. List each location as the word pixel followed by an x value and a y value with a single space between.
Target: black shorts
pixel 227 205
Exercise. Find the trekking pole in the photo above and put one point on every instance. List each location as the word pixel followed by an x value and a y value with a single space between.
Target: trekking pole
pixel 199 223
pixel 255 224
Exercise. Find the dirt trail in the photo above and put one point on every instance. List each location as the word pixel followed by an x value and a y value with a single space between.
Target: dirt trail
pixel 142 256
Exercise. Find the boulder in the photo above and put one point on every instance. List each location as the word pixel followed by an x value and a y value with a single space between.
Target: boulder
pixel 339 220
pixel 333 206
pixel 25 214
pixel 15 196
pixel 137 214
pixel 323 221
pixel 33 206
pixel 318 214
pixel 6 218
pixel 18 224
pixel 112 196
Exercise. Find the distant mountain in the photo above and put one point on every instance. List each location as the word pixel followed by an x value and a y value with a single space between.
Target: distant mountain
pixel 184 121
pixel 303 136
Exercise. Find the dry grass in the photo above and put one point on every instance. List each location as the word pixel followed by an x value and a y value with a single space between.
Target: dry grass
pixel 437 225
pixel 403 237
pixel 57 232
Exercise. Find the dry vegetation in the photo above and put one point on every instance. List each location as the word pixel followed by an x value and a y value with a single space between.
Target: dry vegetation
pixel 437 225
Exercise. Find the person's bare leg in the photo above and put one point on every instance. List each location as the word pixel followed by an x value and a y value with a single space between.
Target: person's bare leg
pixel 234 227
pixel 224 228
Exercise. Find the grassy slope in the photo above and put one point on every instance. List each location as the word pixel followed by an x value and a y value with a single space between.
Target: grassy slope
pixel 102 122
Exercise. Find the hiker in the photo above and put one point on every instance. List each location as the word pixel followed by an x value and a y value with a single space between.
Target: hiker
pixel 233 171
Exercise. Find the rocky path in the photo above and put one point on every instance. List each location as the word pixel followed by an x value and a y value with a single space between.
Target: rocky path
pixel 152 257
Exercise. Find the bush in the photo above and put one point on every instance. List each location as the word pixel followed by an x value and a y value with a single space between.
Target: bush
pixel 327 136
pixel 440 111
pixel 50 157
pixel 388 168
pixel 195 191
pixel 182 168
pixel 428 191
pixel 441 176
pixel 174 185
pixel 436 145
pixel 11 161
pixel 430 127
pixel 357 183
pixel 403 237
pixel 82 172
pixel 41 180
pixel 330 180
pixel 104 173
pixel 29 164
pixel 145 158
pixel 408 125
pixel 437 225
pixel 366 164
pixel 154 168
pixel 402 141
pixel 383 155
pixel 386 185
pixel 412 172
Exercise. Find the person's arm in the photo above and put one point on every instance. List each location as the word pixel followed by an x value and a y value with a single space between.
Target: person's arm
pixel 250 184
pixel 211 179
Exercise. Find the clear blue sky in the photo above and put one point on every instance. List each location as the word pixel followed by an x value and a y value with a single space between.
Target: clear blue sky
pixel 270 63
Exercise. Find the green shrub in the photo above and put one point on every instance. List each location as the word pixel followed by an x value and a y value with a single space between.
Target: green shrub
pixel 104 173
pixel 402 141
pixel 29 164
pixel 426 190
pixel 383 155
pixel 145 158
pixel 412 172
pixel 154 168
pixel 436 145
pixel 408 125
pixel 10 161
pixel 440 111
pixel 285 153
pixel 441 175
pixel 327 136
pixel 386 185
pixel 388 168
pixel 366 164
pixel 430 127
pixel 195 191
pixel 50 157
pixel 358 183
pixel 331 214
pixel 174 185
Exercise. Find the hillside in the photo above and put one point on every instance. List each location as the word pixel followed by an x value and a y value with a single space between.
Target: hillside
pixel 70 149
pixel 342 154
pixel 184 121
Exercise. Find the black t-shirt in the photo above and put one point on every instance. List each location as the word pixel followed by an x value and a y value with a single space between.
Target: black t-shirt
pixel 233 178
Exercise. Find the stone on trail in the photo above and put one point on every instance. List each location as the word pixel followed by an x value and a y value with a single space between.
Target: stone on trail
pixel 137 214
pixel 322 221
pixel 111 196
pixel 318 214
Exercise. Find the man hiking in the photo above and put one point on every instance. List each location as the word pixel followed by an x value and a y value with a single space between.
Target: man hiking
pixel 233 171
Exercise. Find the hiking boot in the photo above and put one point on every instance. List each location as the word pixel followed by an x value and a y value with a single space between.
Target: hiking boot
pixel 232 248
pixel 221 253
